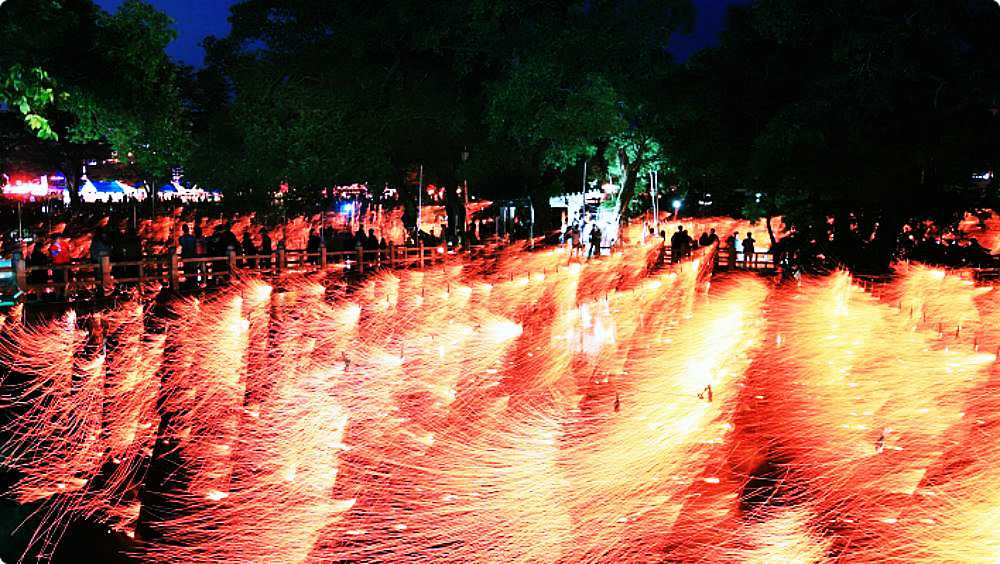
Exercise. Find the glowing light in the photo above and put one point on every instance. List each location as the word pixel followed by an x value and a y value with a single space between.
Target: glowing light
pixel 521 410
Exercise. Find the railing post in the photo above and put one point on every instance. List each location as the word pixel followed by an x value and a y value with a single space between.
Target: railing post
pixel 20 271
pixel 322 257
pixel 392 256
pixel 421 254
pixel 280 263
pixel 361 259
pixel 175 271
pixel 107 282
pixel 231 256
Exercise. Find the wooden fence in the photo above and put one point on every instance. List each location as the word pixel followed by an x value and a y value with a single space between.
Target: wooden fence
pixel 103 277
pixel 171 270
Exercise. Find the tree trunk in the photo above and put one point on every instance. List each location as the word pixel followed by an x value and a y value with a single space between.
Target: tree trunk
pixel 627 192
pixel 73 171
pixel 770 230
pixel 543 212
pixel 408 201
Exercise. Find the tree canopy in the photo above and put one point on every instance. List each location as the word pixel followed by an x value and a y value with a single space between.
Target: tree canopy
pixel 85 79
pixel 867 112
pixel 850 113
pixel 352 91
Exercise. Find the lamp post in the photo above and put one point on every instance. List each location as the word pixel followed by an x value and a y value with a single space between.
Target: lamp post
pixel 465 194
pixel 283 192
pixel 420 198
pixel 654 178
pixel 677 208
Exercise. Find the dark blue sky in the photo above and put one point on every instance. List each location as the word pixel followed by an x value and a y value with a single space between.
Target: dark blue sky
pixel 197 19
pixel 710 20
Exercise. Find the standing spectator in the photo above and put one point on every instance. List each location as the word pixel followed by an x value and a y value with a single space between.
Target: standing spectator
pixel 371 241
pixel 215 249
pixel 704 241
pixel 38 258
pixel 189 249
pixel 265 248
pixel 200 243
pixel 328 236
pixel 132 250
pixel 60 258
pixel 313 245
pixel 577 242
pixel 713 239
pixel 249 250
pixel 228 240
pixel 98 246
pixel 748 249
pixel 595 241
pixel 678 244
pixel 342 240
pixel 383 249
pixel 188 243
pixel 116 245
pixel 731 242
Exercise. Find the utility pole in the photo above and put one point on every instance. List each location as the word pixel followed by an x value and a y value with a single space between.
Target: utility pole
pixel 465 214
pixel 420 199
pixel 654 193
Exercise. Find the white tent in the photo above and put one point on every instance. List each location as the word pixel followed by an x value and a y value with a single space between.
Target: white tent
pixel 99 191
pixel 131 191
pixel 193 194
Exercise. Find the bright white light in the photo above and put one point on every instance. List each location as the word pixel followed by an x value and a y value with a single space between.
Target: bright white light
pixel 677 204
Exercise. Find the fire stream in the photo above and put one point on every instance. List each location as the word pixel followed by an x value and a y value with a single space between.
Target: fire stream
pixel 529 408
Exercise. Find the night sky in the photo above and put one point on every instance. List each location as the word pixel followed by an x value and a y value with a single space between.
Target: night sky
pixel 197 19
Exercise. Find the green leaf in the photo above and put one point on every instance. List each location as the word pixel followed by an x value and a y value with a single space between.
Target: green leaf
pixel 36 122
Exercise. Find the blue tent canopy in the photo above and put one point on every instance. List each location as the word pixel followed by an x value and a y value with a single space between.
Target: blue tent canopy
pixel 107 187
pixel 168 188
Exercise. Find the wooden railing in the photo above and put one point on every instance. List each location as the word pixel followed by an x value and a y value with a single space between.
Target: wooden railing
pixel 171 270
pixel 728 257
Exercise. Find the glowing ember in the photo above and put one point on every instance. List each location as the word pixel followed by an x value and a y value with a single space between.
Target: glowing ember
pixel 526 408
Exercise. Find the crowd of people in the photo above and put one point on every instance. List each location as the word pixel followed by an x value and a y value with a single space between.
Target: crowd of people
pixel 738 252
pixel 584 237
pixel 54 250
pixel 334 240
pixel 924 244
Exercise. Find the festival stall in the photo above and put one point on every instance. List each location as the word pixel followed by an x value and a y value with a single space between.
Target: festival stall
pixel 92 191
pixel 170 191
pixel 131 192
pixel 34 188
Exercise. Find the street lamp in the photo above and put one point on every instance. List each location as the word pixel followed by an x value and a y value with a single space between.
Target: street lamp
pixel 465 193
pixel 677 208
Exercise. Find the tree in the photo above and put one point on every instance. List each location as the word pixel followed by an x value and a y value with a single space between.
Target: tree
pixel 580 77
pixel 339 93
pixel 117 89
pixel 348 92
pixel 870 113
pixel 30 92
